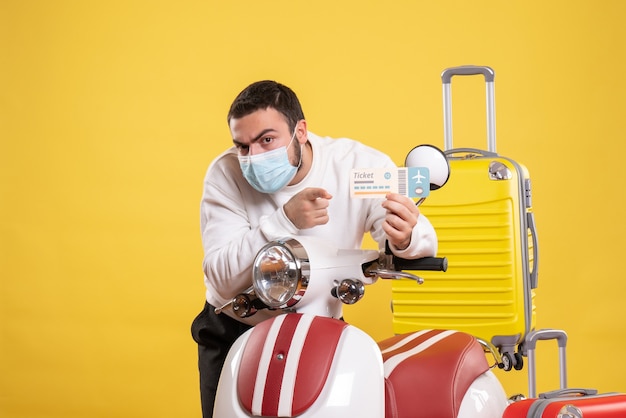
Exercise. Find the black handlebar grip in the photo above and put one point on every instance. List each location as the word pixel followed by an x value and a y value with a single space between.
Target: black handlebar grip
pixel 424 263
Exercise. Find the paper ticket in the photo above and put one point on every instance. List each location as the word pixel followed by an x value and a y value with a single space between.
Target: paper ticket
pixel 377 182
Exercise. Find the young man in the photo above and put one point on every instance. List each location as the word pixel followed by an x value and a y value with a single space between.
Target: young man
pixel 281 180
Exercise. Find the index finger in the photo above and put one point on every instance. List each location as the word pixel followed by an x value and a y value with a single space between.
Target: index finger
pixel 313 193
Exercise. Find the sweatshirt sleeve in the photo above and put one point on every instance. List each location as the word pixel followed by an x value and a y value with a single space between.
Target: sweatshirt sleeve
pixel 229 239
pixel 423 241
pixel 277 225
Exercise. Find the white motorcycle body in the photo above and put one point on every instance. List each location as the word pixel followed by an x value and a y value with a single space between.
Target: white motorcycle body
pixel 297 374
pixel 312 366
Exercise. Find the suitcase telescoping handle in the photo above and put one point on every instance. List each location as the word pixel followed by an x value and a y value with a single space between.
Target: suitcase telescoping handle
pixel 531 344
pixel 446 78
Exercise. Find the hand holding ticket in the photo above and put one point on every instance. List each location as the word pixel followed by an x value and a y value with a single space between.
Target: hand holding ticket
pixel 377 182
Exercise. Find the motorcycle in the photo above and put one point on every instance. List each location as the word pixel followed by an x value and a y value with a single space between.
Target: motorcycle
pixel 308 362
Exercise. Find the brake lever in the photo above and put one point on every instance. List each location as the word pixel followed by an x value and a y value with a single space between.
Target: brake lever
pixel 394 274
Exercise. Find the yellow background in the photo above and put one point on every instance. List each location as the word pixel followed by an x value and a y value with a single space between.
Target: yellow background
pixel 111 111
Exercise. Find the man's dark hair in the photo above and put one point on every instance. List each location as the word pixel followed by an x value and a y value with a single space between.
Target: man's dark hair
pixel 265 94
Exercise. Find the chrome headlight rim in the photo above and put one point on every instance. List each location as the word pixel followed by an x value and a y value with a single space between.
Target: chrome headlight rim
pixel 284 287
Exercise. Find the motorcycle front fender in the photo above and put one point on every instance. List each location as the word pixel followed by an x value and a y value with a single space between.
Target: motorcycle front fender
pixel 353 384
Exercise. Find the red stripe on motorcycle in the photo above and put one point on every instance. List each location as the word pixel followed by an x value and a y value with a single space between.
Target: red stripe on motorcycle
pixel 250 360
pixel 285 364
pixel 277 362
pixel 317 357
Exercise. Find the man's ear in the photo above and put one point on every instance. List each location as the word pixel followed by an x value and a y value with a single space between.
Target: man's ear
pixel 301 131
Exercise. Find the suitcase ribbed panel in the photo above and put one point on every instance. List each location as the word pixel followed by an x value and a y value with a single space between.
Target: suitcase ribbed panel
pixel 483 292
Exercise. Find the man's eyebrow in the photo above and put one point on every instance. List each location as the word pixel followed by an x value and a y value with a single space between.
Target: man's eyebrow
pixel 256 138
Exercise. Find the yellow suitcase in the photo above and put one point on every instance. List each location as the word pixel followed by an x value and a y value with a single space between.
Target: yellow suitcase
pixel 485 224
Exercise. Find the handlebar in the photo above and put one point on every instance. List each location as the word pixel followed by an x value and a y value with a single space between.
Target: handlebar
pixel 391 267
pixel 424 263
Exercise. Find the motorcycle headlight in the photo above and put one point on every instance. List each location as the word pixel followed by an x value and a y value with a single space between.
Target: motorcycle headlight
pixel 280 273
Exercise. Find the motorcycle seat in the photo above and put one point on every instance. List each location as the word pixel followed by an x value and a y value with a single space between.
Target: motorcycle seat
pixel 429 372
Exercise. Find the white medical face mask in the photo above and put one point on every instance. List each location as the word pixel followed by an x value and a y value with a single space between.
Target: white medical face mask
pixel 270 171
